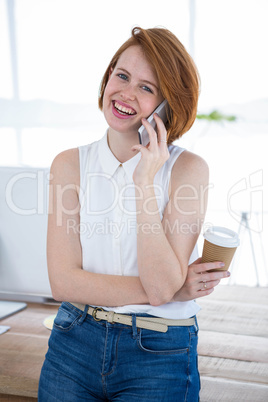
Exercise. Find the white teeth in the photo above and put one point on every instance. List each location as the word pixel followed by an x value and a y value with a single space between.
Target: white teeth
pixel 123 109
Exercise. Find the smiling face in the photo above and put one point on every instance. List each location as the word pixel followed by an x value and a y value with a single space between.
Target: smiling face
pixel 131 93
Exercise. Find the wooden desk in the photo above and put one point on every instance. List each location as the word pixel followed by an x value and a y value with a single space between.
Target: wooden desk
pixel 233 347
pixel 233 344
pixel 22 352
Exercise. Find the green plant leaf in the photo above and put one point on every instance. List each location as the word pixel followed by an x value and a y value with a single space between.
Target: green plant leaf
pixel 216 116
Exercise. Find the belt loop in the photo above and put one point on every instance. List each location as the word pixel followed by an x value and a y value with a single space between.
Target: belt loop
pixel 196 324
pixel 134 327
pixel 110 317
pixel 82 318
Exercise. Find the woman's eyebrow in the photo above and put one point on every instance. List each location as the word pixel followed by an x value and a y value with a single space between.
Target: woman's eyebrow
pixel 146 81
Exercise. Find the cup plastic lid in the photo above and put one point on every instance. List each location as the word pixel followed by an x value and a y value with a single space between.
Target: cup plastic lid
pixel 222 236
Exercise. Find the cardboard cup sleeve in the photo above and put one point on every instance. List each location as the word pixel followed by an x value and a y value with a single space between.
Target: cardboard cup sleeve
pixel 220 244
pixel 212 253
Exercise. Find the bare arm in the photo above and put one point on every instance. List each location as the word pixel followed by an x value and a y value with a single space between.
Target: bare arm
pixel 163 255
pixel 69 282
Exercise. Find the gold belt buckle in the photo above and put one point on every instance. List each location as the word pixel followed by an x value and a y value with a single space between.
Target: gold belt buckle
pixel 94 312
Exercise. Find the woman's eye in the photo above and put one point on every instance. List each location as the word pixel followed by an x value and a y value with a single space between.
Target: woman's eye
pixel 147 89
pixel 123 76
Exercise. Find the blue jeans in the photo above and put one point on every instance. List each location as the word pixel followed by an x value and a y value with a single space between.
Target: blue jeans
pixel 90 360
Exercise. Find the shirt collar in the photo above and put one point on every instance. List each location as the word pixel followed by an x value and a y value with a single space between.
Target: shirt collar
pixel 110 163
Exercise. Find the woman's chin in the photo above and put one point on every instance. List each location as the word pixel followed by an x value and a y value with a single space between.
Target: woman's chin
pixel 121 126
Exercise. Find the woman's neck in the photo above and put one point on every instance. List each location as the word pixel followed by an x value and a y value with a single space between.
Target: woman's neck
pixel 120 145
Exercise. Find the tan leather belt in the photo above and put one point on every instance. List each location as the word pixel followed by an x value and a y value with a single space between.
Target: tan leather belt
pixel 152 323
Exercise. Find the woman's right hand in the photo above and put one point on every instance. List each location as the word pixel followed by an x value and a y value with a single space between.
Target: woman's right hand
pixel 200 281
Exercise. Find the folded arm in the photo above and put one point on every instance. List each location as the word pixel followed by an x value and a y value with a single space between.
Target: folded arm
pixel 69 282
pixel 163 254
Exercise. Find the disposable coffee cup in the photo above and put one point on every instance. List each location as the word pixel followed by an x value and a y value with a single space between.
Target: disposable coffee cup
pixel 220 244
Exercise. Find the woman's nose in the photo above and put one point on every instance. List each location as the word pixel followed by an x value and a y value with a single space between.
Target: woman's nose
pixel 128 93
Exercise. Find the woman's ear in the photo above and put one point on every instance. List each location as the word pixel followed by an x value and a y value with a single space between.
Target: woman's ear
pixel 110 72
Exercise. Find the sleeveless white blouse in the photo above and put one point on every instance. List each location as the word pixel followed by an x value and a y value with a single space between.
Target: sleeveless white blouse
pixel 108 230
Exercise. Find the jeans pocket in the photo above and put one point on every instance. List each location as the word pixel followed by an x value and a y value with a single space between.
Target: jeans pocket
pixel 174 341
pixel 66 318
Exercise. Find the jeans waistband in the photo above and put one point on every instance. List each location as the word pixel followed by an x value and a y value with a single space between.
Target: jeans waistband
pixel 151 323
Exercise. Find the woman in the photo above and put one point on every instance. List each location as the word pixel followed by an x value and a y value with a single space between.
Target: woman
pixel 122 229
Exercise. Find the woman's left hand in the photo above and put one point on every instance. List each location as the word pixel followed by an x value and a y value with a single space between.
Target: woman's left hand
pixel 153 155
pixel 200 280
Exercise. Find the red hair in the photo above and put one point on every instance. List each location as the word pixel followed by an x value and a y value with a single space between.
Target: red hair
pixel 176 72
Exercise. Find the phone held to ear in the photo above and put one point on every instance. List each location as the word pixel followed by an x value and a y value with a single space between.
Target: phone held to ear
pixel 161 110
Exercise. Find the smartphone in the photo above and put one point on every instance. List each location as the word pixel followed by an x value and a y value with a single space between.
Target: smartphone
pixel 162 111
